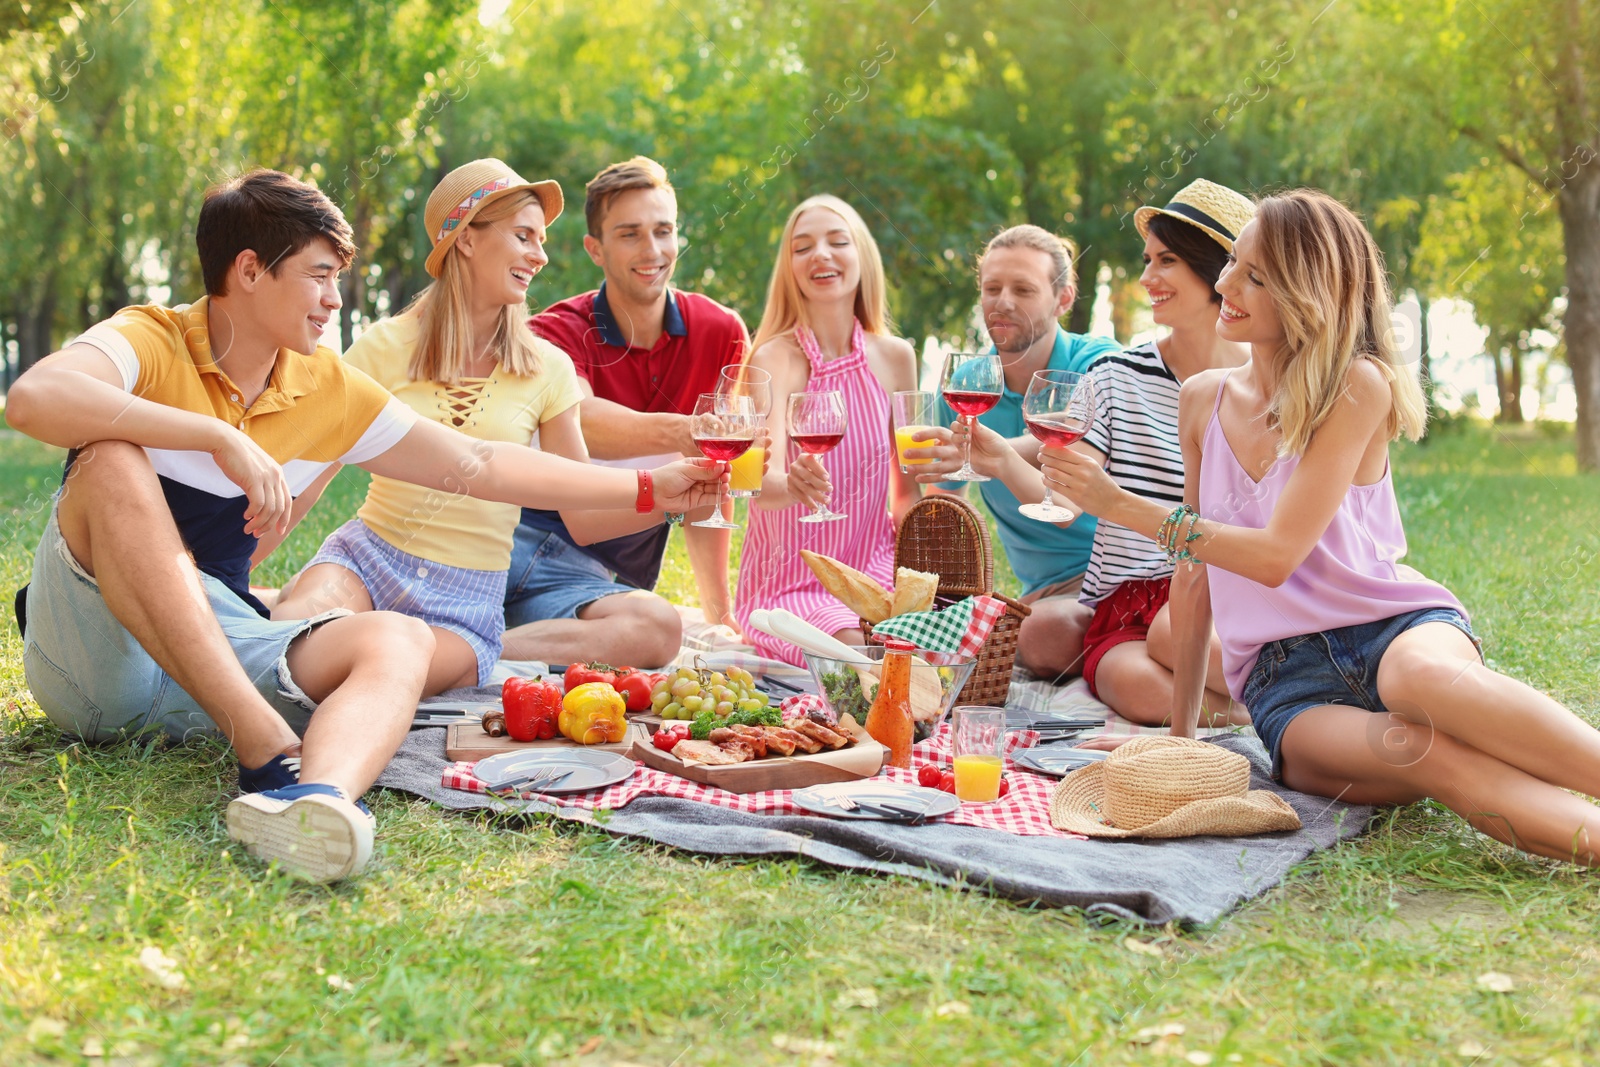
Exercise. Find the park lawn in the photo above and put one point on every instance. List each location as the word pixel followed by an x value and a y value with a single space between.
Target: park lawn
pixel 475 939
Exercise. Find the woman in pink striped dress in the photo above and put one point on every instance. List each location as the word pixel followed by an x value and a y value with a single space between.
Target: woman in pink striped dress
pixel 826 327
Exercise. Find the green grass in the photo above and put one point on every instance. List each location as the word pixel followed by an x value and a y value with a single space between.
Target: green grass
pixel 475 939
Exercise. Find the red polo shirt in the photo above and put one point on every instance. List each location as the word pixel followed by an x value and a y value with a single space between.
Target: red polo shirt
pixel 701 337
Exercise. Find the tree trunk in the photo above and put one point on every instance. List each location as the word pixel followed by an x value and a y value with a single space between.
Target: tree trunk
pixel 1082 313
pixel 34 329
pixel 1507 361
pixel 1425 370
pixel 1579 200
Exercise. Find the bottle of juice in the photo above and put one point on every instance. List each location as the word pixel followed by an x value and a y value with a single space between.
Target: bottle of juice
pixel 889 722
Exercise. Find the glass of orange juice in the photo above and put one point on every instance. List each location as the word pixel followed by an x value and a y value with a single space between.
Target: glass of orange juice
pixel 744 478
pixel 978 736
pixel 913 411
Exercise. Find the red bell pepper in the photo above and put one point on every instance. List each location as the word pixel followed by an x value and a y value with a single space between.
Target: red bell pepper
pixel 582 673
pixel 533 708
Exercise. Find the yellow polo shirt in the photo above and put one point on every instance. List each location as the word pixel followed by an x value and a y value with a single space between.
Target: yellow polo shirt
pixel 452 528
pixel 314 411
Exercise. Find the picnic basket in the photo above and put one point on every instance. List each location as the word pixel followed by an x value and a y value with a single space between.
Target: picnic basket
pixel 945 535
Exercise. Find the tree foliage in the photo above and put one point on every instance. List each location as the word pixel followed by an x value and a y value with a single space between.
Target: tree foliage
pixel 941 123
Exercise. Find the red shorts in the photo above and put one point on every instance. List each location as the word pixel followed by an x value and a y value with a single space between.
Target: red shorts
pixel 1125 615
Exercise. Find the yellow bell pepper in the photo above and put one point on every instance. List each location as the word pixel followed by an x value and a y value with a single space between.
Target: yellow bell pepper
pixel 593 714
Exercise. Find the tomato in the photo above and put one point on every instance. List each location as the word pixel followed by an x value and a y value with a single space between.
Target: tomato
pixel 581 673
pixel 928 775
pixel 947 781
pixel 532 707
pixel 1005 786
pixel 668 737
pixel 635 689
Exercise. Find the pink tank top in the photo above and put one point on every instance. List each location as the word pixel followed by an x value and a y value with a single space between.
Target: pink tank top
pixel 1351 576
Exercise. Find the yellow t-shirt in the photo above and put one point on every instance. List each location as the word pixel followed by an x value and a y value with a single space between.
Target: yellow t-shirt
pixel 453 528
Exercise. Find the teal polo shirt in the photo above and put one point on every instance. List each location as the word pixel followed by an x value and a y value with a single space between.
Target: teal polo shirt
pixel 1041 553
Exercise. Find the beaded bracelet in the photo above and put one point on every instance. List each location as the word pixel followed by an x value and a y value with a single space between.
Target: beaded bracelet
pixel 1174 536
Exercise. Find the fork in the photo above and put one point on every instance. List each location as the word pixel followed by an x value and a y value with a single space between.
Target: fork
pixel 538 780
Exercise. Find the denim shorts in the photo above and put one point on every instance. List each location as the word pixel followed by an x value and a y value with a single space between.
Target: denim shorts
pixel 550 579
pixel 1296 674
pixel 463 601
pixel 95 681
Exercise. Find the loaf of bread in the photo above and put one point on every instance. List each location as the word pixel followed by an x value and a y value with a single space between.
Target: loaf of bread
pixel 913 591
pixel 856 591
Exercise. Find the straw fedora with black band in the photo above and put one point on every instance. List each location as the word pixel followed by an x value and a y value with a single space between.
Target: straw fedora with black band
pixel 1162 787
pixel 467 190
pixel 1216 209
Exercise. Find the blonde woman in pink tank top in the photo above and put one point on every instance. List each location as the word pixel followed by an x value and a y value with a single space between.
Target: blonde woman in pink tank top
pixel 1361 676
pixel 826 327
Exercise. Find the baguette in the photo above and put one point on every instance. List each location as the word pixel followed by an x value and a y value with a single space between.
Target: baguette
pixel 913 591
pixel 859 592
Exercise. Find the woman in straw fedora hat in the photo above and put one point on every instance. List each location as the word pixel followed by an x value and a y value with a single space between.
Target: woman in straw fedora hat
pixel 462 355
pixel 1127 650
pixel 1362 677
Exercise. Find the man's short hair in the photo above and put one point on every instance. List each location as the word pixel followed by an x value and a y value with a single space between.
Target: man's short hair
pixel 640 172
pixel 271 214
pixel 1062 252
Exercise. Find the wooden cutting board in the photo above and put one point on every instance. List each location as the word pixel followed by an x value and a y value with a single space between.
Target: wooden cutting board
pixel 466 742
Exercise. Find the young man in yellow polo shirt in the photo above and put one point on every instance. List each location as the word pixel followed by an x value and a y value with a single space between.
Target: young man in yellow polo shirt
pixel 192 430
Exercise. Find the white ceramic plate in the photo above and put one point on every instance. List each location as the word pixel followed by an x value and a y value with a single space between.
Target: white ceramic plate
pixel 917 801
pixel 591 769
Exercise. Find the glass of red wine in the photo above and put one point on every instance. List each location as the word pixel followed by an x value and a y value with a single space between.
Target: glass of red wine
pixel 816 426
pixel 971 384
pixel 1058 409
pixel 724 436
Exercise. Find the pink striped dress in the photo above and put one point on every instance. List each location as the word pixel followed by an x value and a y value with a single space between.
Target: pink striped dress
pixel 771 572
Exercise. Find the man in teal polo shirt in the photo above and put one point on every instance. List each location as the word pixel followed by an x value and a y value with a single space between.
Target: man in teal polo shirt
pixel 1027 283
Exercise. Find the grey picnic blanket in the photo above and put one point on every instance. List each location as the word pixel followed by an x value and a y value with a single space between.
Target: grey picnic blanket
pixel 1193 880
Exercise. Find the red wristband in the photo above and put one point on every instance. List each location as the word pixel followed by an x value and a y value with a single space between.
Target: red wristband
pixel 645 502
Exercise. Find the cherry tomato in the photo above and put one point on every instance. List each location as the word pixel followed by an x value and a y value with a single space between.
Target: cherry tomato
pixel 947 781
pixel 928 775
pixel 1005 786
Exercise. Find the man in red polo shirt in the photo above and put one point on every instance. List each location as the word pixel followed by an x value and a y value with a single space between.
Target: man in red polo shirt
pixel 643 351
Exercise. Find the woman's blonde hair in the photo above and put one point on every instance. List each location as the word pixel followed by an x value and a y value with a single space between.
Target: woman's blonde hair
pixel 786 307
pixel 444 342
pixel 1326 278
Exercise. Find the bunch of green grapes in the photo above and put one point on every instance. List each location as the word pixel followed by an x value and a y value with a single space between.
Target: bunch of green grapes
pixel 688 691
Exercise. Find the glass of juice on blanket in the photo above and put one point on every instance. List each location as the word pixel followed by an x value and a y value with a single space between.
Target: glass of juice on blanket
pixel 978 741
pixel 913 411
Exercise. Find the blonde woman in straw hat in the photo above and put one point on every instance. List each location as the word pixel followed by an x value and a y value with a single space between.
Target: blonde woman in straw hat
pixel 1362 677
pixel 462 355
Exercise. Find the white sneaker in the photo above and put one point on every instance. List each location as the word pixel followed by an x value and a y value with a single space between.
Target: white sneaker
pixel 311 830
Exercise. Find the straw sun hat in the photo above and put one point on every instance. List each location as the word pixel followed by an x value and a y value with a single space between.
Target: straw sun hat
pixel 1160 786
pixel 468 189
pixel 1216 209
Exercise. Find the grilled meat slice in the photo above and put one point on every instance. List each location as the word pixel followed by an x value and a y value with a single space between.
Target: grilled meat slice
pixel 780 742
pixel 819 733
pixel 708 753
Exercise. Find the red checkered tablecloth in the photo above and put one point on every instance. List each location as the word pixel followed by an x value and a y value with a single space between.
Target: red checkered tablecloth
pixel 1025 810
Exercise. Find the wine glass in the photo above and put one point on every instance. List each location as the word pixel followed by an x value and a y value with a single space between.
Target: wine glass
pixel 816 425
pixel 747 384
pixel 1058 409
pixel 971 384
pixel 723 436
pixel 747 389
